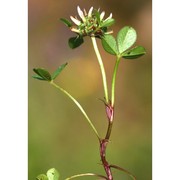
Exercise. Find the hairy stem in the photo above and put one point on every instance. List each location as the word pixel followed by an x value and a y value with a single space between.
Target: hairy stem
pixel 109 112
pixel 101 67
pixel 79 106
pixel 110 116
pixel 104 142
pixel 103 145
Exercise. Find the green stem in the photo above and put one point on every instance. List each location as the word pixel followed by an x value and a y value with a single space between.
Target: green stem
pixel 86 174
pixel 114 80
pixel 101 67
pixel 78 105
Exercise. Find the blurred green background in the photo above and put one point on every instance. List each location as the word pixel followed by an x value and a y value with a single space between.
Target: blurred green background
pixel 59 136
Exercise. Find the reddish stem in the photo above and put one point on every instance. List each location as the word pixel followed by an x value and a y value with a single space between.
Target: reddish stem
pixel 104 142
pixel 103 145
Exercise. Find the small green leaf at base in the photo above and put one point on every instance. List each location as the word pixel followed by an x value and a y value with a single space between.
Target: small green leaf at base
pixel 109 44
pixel 66 22
pixel 42 177
pixel 52 174
pixel 75 42
pixel 134 53
pixel 58 70
pixel 42 74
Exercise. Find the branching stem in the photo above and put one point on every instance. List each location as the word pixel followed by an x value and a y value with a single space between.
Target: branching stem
pixel 109 112
pixel 78 105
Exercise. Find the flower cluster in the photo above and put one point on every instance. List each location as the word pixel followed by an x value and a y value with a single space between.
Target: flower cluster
pixel 91 23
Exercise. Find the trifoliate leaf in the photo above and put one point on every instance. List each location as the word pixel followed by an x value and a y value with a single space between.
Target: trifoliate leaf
pixel 44 74
pixel 66 22
pixel 75 42
pixel 109 44
pixel 52 174
pixel 126 38
pixel 42 177
pixel 134 53
pixel 58 70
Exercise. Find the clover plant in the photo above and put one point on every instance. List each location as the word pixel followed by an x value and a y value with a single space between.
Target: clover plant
pixel 94 25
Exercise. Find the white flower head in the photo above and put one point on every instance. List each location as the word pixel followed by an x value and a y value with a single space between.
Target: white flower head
pixel 91 23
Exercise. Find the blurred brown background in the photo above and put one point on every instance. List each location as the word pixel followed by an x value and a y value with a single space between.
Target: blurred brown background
pixel 59 136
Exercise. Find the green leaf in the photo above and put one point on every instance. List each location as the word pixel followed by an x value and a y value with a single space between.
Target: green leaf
pixel 52 174
pixel 58 70
pixel 97 14
pixel 75 42
pixel 38 77
pixel 66 22
pixel 109 44
pixel 126 38
pixel 134 53
pixel 104 29
pixel 44 74
pixel 42 177
pixel 108 23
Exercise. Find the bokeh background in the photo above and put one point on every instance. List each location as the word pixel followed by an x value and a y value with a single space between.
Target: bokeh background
pixel 59 136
